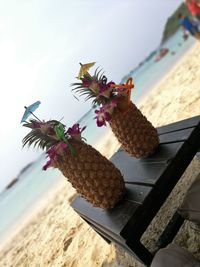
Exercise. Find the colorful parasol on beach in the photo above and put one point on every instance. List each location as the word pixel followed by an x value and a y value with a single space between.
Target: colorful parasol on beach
pixel 84 68
pixel 29 111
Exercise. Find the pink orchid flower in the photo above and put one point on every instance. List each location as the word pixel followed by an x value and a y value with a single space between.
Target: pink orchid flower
pixel 36 124
pixel 106 90
pixel 48 165
pixel 45 127
pixel 75 131
pixel 105 112
pixel 102 117
pixel 52 152
pixel 112 105
pixel 86 83
pixel 92 85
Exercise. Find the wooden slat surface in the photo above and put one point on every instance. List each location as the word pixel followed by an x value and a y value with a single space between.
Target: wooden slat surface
pixel 187 123
pixel 148 182
pixel 113 219
pixel 105 236
pixel 122 244
pixel 160 191
pixel 136 193
pixel 116 241
pixel 176 136
pixel 146 170
pixel 104 230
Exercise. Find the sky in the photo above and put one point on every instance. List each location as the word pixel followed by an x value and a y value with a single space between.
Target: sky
pixel 41 45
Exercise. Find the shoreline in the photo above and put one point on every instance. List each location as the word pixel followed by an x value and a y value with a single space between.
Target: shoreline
pixel 165 76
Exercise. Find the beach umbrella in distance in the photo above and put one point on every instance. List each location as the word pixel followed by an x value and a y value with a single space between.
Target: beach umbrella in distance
pixel 84 68
pixel 29 111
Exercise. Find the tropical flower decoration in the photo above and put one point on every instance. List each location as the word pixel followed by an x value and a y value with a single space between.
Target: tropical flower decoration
pixel 106 95
pixel 52 136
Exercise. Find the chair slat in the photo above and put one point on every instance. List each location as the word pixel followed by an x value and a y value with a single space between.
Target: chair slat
pixel 184 124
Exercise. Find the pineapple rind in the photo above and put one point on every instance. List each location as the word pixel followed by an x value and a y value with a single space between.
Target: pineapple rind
pixel 136 134
pixel 93 175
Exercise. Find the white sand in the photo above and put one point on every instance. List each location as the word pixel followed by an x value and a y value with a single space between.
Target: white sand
pixel 56 236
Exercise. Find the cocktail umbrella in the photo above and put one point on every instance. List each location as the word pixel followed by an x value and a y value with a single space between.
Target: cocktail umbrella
pixel 29 111
pixel 84 68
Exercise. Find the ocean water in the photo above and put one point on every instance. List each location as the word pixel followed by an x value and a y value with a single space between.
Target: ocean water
pixel 150 72
pixel 33 183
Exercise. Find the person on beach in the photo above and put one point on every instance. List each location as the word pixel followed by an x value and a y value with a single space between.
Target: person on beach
pixel 194 8
pixel 188 25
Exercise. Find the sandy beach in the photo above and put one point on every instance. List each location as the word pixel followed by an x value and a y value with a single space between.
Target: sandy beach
pixel 56 236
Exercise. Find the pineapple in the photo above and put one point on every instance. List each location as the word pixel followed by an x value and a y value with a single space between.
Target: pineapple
pixel 91 174
pixel 136 134
pixel 94 176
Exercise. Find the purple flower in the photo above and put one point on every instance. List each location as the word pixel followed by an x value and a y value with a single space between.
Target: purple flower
pixel 75 131
pixel 105 112
pixel 112 105
pixel 48 164
pixel 91 84
pixel 105 89
pixel 86 83
pixel 52 152
pixel 36 124
pixel 102 117
pixel 46 128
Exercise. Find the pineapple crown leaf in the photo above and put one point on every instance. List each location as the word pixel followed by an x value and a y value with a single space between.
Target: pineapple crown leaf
pixel 85 91
pixel 79 85
pixel 27 124
pixel 32 121
pixel 39 138
pixel 82 88
pixel 88 97
pixel 97 73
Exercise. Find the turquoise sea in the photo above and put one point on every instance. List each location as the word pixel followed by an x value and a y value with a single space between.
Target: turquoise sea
pixel 33 183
